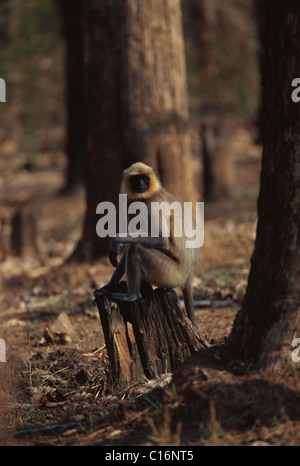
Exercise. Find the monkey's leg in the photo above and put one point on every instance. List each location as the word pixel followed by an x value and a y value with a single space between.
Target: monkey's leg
pixel 115 279
pixel 133 276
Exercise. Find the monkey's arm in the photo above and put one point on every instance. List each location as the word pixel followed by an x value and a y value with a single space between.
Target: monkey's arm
pixel 147 242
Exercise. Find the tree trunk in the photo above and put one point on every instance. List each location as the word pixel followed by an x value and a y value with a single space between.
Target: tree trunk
pixel 269 317
pixel 218 170
pixel 207 19
pixel 151 336
pixel 136 107
pixel 5 22
pixel 73 30
pixel 259 18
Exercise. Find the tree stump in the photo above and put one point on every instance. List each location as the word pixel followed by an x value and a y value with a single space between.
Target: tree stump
pixel 148 337
pixel 24 233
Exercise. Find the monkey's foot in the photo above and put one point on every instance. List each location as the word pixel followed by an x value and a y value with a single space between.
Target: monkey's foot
pixel 100 292
pixel 128 297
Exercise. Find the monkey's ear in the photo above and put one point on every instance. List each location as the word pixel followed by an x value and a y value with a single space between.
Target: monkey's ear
pixel 155 173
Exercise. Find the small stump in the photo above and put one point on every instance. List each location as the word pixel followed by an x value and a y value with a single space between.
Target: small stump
pixel 151 336
pixel 24 233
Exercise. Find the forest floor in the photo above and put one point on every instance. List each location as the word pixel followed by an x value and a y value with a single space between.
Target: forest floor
pixel 56 391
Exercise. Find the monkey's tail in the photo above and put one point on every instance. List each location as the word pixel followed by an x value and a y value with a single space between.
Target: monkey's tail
pixel 190 310
pixel 189 301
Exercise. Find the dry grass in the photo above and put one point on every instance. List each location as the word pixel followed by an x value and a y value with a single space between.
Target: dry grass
pixel 7 397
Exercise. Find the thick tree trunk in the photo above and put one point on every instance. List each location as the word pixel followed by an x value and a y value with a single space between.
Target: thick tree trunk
pixel 269 318
pixel 73 30
pixel 137 107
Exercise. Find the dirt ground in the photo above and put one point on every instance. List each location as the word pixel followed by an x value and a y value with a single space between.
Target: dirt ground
pixel 57 392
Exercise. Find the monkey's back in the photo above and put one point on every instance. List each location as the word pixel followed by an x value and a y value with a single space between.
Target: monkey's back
pixel 178 219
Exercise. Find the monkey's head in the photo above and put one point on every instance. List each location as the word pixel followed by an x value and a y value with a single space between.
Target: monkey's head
pixel 139 181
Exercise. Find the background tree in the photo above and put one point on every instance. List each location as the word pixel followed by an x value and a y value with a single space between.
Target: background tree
pixel 269 317
pixel 73 31
pixel 136 107
pixel 225 90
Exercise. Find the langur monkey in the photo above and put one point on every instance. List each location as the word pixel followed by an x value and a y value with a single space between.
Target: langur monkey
pixel 164 262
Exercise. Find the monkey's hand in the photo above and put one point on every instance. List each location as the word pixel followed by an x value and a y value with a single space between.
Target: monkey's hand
pixel 114 251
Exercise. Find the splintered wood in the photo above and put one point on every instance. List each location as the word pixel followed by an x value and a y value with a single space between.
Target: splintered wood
pixel 148 337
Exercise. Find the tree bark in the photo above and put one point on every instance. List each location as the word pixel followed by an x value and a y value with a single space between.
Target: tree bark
pixel 151 336
pixel 269 317
pixel 73 31
pixel 137 107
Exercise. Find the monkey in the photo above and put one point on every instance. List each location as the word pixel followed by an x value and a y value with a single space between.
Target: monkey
pixel 161 261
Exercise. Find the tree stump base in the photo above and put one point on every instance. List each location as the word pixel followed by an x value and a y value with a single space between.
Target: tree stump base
pixel 148 337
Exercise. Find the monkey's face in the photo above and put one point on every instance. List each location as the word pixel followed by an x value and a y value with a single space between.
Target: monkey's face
pixel 139 183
